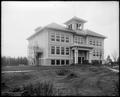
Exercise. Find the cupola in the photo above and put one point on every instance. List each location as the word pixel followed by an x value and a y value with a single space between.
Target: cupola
pixel 75 23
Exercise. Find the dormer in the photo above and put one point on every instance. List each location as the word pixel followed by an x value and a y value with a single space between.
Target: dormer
pixel 75 23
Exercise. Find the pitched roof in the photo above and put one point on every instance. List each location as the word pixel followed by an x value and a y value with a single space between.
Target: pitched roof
pixel 79 32
pixel 75 19
pixel 92 33
pixel 62 28
pixel 58 27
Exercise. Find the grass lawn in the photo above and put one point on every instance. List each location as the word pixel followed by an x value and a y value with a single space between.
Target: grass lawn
pixel 83 80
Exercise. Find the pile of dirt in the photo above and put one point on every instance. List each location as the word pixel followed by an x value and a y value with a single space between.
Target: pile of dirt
pixel 71 76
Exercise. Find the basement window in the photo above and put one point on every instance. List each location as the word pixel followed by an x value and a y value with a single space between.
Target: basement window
pixel 57 62
pixel 62 62
pixel 52 62
pixel 67 62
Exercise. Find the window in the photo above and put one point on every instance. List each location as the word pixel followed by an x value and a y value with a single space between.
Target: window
pixel 94 53
pixel 57 62
pixel 97 43
pixel 79 40
pixel 52 62
pixel 97 53
pixel 94 42
pixel 57 50
pixel 70 26
pixel 52 50
pixel 67 51
pixel 53 37
pixel 75 40
pixel 78 26
pixel 67 62
pixel 62 38
pixel 62 50
pixel 62 62
pixel 67 38
pixel 58 37
pixel 90 42
pixel 100 43
pixel 100 53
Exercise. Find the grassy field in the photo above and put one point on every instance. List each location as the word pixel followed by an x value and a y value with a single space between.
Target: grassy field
pixel 83 80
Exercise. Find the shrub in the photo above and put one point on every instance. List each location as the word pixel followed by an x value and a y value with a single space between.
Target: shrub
pixel 96 62
pixel 62 72
pixel 85 62
pixel 3 85
pixel 38 89
pixel 116 89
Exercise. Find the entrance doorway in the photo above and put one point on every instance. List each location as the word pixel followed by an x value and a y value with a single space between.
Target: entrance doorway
pixel 81 60
pixel 38 58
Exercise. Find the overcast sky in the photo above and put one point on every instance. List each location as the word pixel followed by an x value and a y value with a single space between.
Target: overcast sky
pixel 19 19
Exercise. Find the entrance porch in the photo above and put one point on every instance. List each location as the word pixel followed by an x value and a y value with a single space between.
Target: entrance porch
pixel 81 54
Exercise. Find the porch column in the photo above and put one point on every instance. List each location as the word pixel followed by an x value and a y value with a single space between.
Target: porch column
pixel 76 56
pixel 87 55
pixel 90 56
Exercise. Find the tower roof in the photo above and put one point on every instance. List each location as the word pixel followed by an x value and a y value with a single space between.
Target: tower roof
pixel 75 19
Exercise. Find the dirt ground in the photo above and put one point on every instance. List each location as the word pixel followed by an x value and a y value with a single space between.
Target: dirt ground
pixel 88 80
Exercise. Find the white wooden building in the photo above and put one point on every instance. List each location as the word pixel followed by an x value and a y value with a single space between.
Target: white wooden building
pixel 55 44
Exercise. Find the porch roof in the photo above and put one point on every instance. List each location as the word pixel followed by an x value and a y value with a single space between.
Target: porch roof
pixel 82 46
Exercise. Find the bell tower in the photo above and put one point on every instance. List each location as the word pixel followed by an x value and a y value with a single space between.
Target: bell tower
pixel 75 23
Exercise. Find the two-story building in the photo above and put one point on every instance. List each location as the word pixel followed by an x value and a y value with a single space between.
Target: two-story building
pixel 63 45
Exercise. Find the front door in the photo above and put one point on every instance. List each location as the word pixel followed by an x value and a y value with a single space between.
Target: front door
pixel 82 59
pixel 38 58
pixel 79 60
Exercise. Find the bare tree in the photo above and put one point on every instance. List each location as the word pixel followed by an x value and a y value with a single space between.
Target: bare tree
pixel 115 57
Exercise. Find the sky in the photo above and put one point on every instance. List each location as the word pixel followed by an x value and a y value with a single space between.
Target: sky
pixel 20 19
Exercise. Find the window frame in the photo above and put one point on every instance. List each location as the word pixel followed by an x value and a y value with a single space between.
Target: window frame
pixel 52 36
pixel 57 61
pixel 52 62
pixel 67 50
pixel 57 37
pixel 93 42
pixel 57 50
pixel 68 62
pixel 62 38
pixel 62 50
pixel 52 49
pixel 75 39
pixel 62 61
pixel 70 26
pixel 67 39
pixel 90 41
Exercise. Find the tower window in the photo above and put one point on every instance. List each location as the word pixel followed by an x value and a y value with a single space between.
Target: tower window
pixel 70 26
pixel 78 26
